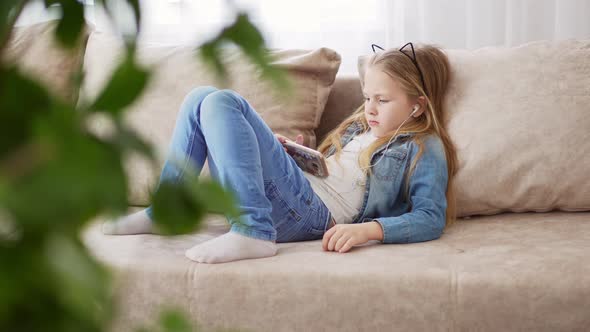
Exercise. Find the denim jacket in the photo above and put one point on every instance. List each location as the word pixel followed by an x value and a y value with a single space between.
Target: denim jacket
pixel 423 217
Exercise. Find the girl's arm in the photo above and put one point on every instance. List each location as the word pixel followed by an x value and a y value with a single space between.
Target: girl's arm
pixel 428 185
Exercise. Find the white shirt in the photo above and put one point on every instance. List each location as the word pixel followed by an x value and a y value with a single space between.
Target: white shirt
pixel 343 190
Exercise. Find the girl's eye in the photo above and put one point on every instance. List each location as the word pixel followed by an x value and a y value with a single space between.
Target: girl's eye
pixel 381 101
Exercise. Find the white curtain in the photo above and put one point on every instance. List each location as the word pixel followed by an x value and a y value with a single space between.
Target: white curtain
pixel 350 27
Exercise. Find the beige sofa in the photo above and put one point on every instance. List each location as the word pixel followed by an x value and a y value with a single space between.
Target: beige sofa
pixel 516 259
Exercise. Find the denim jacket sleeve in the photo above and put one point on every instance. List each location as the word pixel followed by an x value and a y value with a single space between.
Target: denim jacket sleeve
pixel 427 191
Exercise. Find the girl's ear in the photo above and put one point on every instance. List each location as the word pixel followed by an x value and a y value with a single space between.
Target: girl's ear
pixel 422 102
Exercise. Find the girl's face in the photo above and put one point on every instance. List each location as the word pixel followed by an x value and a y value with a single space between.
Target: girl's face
pixel 385 102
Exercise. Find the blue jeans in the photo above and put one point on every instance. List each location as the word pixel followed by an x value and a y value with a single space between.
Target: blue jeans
pixel 276 201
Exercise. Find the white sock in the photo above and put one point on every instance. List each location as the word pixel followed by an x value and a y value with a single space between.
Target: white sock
pixel 136 223
pixel 230 247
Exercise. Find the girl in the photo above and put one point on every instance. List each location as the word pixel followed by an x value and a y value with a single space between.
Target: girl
pixel 391 165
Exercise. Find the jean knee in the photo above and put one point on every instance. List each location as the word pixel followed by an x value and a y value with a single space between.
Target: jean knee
pixel 197 95
pixel 215 102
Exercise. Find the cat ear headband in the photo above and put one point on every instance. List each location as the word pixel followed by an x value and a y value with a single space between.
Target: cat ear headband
pixel 413 58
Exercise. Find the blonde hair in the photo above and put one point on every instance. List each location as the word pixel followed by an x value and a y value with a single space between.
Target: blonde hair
pixel 436 70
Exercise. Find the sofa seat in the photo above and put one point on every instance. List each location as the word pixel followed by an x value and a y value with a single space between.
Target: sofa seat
pixel 506 272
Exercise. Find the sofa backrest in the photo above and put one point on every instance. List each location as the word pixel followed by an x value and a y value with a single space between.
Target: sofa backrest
pixel 517 116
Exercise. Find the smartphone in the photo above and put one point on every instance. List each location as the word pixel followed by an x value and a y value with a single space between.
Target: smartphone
pixel 309 160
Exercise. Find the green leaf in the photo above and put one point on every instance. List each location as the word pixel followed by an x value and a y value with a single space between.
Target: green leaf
pixel 136 12
pixel 175 210
pixel 215 197
pixel 71 23
pixel 244 34
pixel 174 321
pixel 126 84
pixel 55 176
pixel 22 100
pixel 79 176
pixel 82 282
pixel 210 54
pixel 9 9
pixel 179 207
pixel 128 140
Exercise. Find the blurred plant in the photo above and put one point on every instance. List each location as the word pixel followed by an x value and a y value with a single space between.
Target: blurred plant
pixel 56 176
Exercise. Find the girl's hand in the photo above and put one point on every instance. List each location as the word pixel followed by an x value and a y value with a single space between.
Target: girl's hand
pixel 282 139
pixel 342 237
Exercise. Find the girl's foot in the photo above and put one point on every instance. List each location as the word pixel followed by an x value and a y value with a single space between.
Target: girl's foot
pixel 136 223
pixel 230 247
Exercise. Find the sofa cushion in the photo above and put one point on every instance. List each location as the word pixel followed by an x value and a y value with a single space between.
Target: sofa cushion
pixel 519 118
pixel 507 272
pixel 38 53
pixel 178 70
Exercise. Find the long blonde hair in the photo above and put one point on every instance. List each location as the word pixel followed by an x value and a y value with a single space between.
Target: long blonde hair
pixel 436 70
